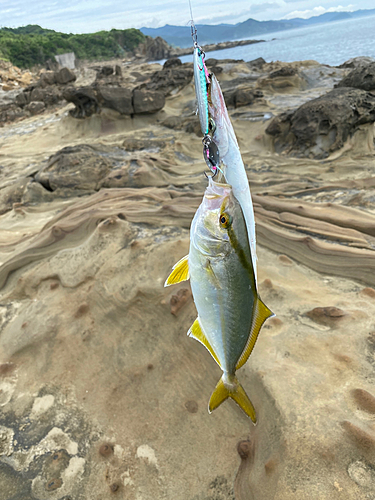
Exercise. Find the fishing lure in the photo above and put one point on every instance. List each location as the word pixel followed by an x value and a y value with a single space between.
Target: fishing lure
pixel 202 81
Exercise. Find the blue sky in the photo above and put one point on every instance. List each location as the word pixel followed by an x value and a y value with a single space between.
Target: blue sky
pixel 84 16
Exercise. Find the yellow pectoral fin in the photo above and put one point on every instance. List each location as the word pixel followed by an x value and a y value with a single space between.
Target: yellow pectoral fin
pixel 197 333
pixel 237 393
pixel 261 313
pixel 179 273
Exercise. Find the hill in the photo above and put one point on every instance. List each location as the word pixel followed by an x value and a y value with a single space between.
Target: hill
pixel 180 35
pixel 30 45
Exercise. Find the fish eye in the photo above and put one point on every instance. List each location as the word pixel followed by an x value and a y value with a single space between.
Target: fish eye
pixel 224 220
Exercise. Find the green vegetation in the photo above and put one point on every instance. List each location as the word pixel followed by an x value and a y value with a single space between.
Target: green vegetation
pixel 30 45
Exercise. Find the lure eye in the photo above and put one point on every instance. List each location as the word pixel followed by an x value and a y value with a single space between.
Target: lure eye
pixel 211 125
pixel 224 220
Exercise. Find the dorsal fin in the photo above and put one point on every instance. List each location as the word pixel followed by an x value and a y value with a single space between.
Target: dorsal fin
pixel 197 332
pixel 261 313
pixel 180 272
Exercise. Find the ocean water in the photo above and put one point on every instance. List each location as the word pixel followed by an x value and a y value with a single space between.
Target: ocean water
pixel 330 43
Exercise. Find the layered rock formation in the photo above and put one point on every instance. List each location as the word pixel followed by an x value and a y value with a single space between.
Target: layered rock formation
pixel 102 393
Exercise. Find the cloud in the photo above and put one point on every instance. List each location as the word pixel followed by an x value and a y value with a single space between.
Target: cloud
pixel 261 7
pixel 318 11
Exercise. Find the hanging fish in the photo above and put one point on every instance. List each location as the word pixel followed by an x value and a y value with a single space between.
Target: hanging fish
pixel 221 272
pixel 220 147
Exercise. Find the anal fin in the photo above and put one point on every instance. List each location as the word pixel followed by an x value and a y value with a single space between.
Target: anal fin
pixel 197 332
pixel 261 313
pixel 180 272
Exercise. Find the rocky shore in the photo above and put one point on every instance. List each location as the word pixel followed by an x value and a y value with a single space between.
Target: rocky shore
pixel 102 394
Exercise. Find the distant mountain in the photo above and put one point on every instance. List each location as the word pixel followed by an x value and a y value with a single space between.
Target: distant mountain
pixel 180 36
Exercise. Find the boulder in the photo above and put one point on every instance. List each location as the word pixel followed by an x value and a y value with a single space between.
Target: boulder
pixel 362 77
pixel 322 125
pixel 170 79
pixel 146 101
pixel 174 62
pixel 47 78
pixel 357 62
pixel 23 98
pixel 74 168
pixel 64 76
pixel 84 98
pixel 241 97
pixel 117 98
pixel 35 107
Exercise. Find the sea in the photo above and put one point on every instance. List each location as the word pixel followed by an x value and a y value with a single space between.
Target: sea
pixel 329 43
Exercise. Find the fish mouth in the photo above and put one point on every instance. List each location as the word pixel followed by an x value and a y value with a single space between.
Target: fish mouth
pixel 215 195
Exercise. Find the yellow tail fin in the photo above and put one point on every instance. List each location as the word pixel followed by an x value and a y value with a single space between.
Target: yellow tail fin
pixel 233 390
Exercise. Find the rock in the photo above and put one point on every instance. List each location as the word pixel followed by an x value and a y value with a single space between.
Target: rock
pixel 175 78
pixel 362 77
pixel 105 71
pixel 23 98
pixel 241 97
pixel 326 315
pixel 173 122
pixel 12 194
pixel 132 144
pixel 146 101
pixel 257 63
pixel 84 98
pixel 74 168
pixel 35 107
pixel 357 62
pixel 174 62
pixel 117 98
pixel 64 76
pixel 322 125
pixel 284 71
pixel 47 78
pixel 154 49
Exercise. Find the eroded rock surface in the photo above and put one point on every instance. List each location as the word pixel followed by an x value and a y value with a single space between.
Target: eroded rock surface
pixel 323 125
pixel 101 391
pixel 362 77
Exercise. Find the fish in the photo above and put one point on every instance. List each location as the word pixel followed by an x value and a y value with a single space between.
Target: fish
pixel 221 151
pixel 221 272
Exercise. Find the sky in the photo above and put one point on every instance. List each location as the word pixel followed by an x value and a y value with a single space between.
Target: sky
pixel 87 16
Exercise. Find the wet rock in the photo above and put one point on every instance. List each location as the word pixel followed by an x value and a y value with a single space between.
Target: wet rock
pixel 322 125
pixel 362 77
pixel 74 168
pixel 84 98
pixel 145 101
pixel 64 76
pixel 117 98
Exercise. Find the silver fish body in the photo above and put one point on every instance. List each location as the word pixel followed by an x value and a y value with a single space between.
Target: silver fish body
pixel 230 312
pixel 232 164
pixel 222 280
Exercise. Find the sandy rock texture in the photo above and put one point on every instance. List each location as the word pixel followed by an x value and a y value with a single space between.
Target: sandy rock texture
pixel 102 394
